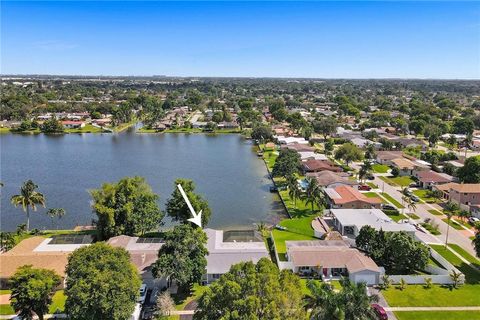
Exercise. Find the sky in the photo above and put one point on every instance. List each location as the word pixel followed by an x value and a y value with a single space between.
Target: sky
pixel 358 39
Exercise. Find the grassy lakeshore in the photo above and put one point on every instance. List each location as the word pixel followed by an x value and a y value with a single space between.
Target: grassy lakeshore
pixel 189 130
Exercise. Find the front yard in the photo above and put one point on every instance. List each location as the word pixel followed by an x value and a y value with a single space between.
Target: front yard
pixel 380 168
pixel 402 181
pixel 392 200
pixel 58 304
pixel 423 194
pixel 438 315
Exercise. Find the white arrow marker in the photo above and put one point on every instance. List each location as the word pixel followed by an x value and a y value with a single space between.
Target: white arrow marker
pixel 197 218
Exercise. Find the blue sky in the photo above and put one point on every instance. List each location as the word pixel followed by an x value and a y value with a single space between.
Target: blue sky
pixel 260 39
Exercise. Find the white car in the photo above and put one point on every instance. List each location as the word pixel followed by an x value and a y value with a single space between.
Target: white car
pixel 143 293
pixel 473 220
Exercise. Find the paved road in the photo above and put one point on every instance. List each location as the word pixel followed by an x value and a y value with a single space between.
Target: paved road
pixel 454 236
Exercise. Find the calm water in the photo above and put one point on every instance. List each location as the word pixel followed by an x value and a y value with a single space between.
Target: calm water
pixel 226 171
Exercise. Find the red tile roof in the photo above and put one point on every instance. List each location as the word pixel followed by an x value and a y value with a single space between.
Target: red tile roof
pixel 348 194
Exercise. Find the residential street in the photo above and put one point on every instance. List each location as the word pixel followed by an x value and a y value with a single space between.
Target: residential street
pixel 454 236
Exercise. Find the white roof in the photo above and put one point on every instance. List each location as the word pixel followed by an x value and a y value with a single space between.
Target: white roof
pixel 222 255
pixel 372 217
pixel 309 154
pixel 288 140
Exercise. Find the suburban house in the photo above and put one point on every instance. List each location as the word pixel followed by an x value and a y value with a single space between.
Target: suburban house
pixel 312 165
pixel 349 221
pixel 289 140
pixel 363 143
pixel 329 179
pixel 386 157
pixel 428 178
pixel 331 259
pixel 73 124
pixel 299 147
pixel 343 197
pixel 143 254
pixel 305 155
pixel 47 253
pixel 409 167
pixel 466 195
pixel 223 254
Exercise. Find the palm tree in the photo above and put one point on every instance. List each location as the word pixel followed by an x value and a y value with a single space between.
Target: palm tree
pixel 464 214
pixel 428 283
pixel 411 205
pixel 365 169
pixel 28 198
pixel 324 302
pixel 313 193
pixel 449 211
pixel 455 276
pixel 357 302
pixel 293 191
pixel 468 141
pixel 55 213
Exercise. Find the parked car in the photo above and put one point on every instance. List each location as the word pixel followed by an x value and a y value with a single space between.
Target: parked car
pixel 364 187
pixel 380 312
pixel 414 198
pixel 388 207
pixel 412 185
pixel 473 220
pixel 370 176
pixel 143 293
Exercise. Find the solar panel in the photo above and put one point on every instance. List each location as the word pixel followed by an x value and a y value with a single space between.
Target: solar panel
pixel 150 240
pixel 71 239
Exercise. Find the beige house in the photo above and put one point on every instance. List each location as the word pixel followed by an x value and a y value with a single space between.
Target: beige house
pixel 466 195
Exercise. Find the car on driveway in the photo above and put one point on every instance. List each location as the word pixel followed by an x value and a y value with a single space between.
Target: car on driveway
pixel 473 220
pixel 364 187
pixel 380 312
pixel 143 293
pixel 414 198
pixel 388 207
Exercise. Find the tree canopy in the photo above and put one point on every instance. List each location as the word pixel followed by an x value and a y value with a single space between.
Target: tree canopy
pixel 470 172
pixel 182 257
pixel 287 163
pixel 262 133
pixel 250 291
pixel 128 207
pixel 348 152
pixel 177 208
pixel 102 283
pixel 32 291
pixel 397 252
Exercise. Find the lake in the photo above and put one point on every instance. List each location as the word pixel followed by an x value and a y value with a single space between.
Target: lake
pixel 224 168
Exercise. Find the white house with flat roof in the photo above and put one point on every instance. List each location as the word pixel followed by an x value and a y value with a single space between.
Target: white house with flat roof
pixel 222 255
pixel 349 221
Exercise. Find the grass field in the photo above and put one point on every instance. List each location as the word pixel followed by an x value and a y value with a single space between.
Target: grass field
pixel 435 212
pixel 58 304
pixel 392 200
pixel 436 296
pixel 438 315
pixel 87 129
pixel 422 194
pixel 372 185
pixel 472 275
pixel 453 224
pixel 380 168
pixel 467 256
pixel 402 181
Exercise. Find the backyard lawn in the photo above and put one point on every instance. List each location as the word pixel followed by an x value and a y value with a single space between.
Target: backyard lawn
pixel 182 299
pixel 438 315
pixel 87 129
pixel 380 168
pixel 280 236
pixel 298 209
pixel 392 200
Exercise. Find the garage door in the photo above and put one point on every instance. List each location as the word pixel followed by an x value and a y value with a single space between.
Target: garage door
pixel 369 279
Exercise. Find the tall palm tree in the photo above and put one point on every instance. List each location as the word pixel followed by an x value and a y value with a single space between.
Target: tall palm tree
pixel 449 211
pixel 28 198
pixel 357 302
pixel 468 141
pixel 411 205
pixel 325 304
pixel 293 191
pixel 313 193
pixel 55 213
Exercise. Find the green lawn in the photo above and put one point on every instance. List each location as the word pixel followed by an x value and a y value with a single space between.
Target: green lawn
pixel 435 212
pixel 372 185
pixel 58 303
pixel 298 209
pixel 396 217
pixel 392 200
pixel 270 157
pixel 430 229
pixel 280 236
pixel 299 225
pixel 402 181
pixel 472 275
pixel 467 256
pixel 422 194
pixel 453 224
pixel 436 296
pixel 182 299
pixel 437 315
pixel 380 168
pixel 4 130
